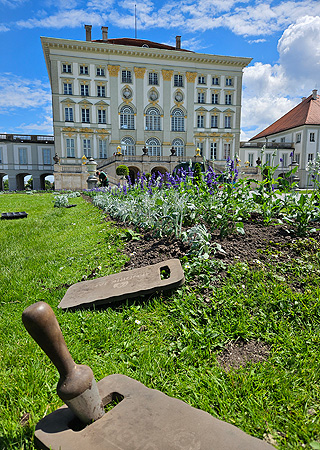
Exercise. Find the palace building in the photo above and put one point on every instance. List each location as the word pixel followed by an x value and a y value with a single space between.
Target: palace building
pixel 135 94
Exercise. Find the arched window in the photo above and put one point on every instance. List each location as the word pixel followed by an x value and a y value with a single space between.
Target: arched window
pixel 152 119
pixel 177 120
pixel 178 145
pixel 154 147
pixel 127 146
pixel 127 118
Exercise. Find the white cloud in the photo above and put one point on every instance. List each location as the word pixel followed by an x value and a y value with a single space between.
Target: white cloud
pixel 270 91
pixel 3 28
pixel 71 18
pixel 16 92
pixel 12 3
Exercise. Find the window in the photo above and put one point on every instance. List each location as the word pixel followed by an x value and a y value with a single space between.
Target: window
pixel 85 115
pixel 283 139
pixel 152 119
pixel 127 118
pixel 200 121
pixel 268 159
pixel 103 148
pixel 226 151
pixel 154 147
pixel 228 99
pixel 84 90
pixel 0 155
pixel 201 79
pixel 201 97
pixel 312 137
pixel 178 145
pixel 227 121
pixel 213 150
pixel 250 159
pixel 214 121
pixel 101 91
pixel 68 114
pixel 284 158
pixel 200 146
pixel 215 81
pixel 102 117
pixel 86 144
pixel 67 88
pixel 153 78
pixel 46 156
pixel 126 76
pixel 215 99
pixel 66 68
pixel 298 138
pixel 22 155
pixel 178 80
pixel 84 70
pixel 229 81
pixel 310 157
pixel 127 146
pixel 177 120
pixel 297 158
pixel 70 147
pixel 100 72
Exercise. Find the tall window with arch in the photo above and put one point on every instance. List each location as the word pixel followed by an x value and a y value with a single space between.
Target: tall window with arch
pixel 127 146
pixel 154 147
pixel 127 118
pixel 153 119
pixel 177 120
pixel 178 145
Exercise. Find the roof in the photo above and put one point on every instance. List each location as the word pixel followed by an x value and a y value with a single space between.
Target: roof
pixel 305 113
pixel 139 43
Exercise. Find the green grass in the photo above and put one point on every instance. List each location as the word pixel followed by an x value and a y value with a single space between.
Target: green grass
pixel 168 342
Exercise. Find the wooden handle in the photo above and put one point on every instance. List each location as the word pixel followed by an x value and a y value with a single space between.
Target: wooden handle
pixel 41 323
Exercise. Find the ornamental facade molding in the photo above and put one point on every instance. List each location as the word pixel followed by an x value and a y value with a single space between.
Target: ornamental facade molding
pixel 191 76
pixel 167 74
pixel 139 72
pixel 113 70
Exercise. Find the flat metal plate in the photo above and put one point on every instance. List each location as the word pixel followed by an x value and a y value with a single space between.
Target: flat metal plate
pixel 128 284
pixel 14 215
pixel 145 419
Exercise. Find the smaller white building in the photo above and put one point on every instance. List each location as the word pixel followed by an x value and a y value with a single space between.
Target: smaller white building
pixel 293 137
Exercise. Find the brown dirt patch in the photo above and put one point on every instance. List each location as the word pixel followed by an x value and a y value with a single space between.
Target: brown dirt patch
pixel 239 354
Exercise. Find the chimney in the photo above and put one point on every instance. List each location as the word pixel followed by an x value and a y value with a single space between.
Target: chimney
pixel 303 98
pixel 104 33
pixel 314 94
pixel 178 42
pixel 88 32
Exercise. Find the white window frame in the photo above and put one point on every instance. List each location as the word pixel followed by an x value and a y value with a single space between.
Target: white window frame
pixel 215 81
pixel 312 137
pixel 127 146
pixel 201 97
pixel 46 156
pixel 178 145
pixel 228 99
pixel 215 99
pixel 177 120
pixel 102 116
pixel 70 148
pixel 284 162
pixel 153 119
pixel 201 79
pixel 101 72
pixel 200 121
pixel 268 159
pixel 66 68
pixel 101 91
pixel 154 147
pixel 126 76
pixel 83 69
pixel 298 138
pixel 153 78
pixel 86 147
pixel 297 158
pixel 84 90
pixel 213 150
pixel 103 154
pixel 67 88
pixel 85 115
pixel 68 114
pixel 310 157
pixel 126 118
pixel 227 121
pixel 23 156
pixel 250 159
pixel 226 150
pixel 214 121
pixel 177 80
pixel 229 81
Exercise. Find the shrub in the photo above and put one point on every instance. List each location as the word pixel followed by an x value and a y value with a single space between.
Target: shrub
pixel 122 170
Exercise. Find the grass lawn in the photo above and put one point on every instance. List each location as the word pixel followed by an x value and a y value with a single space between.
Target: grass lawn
pixel 168 343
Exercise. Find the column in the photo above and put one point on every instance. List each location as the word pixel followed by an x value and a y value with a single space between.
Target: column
pixel 166 77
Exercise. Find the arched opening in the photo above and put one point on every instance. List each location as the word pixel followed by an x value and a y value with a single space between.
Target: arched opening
pixel 4 182
pixel 127 146
pixel 178 145
pixel 126 118
pixel 177 120
pixel 153 119
pixel 158 169
pixel 24 180
pixel 46 182
pixel 133 173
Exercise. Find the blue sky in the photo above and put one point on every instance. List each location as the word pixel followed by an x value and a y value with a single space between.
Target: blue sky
pixel 282 37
